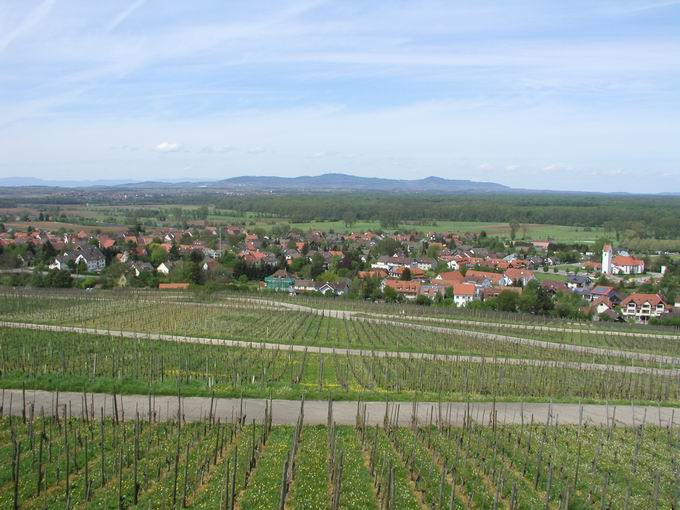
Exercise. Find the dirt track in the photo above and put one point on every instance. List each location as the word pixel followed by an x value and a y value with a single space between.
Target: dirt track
pixel 316 411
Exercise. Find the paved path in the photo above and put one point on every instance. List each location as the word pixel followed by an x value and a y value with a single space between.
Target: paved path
pixel 669 372
pixel 344 413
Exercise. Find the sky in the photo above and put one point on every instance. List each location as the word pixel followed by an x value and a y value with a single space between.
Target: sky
pixel 541 94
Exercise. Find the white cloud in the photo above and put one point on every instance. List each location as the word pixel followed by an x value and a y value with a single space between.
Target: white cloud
pixel 555 167
pixel 486 166
pixel 168 147
pixel 512 168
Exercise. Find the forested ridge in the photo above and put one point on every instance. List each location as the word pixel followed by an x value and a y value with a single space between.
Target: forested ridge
pixel 647 216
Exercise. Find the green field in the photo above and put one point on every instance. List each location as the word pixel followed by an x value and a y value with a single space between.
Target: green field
pixel 557 233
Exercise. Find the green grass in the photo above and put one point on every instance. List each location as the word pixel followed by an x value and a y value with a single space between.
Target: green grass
pixel 541 275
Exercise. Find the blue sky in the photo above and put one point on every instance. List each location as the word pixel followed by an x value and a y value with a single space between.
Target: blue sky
pixel 579 95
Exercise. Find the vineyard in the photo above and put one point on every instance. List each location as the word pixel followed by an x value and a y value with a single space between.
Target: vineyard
pixel 59 460
pixel 268 321
pixel 146 345
pixel 74 361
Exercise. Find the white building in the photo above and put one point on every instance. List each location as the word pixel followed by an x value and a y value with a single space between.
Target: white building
pixel 607 256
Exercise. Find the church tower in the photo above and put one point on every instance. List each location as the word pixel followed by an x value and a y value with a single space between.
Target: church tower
pixel 607 259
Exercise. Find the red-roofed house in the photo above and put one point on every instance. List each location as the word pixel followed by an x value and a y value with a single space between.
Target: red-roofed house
pixel 409 289
pixel 486 278
pixel 464 293
pixel 517 276
pixel 373 273
pixel 642 307
pixel 450 276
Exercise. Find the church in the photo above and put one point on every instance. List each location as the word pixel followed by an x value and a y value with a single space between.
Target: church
pixel 620 264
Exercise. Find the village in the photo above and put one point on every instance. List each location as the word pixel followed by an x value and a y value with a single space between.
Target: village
pixel 461 270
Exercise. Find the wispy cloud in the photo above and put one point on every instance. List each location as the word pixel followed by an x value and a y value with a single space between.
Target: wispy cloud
pixel 374 88
pixel 25 27
pixel 123 15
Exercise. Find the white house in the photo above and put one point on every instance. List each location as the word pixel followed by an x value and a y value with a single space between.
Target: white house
pixel 642 307
pixel 464 293
pixel 164 268
pixel 91 256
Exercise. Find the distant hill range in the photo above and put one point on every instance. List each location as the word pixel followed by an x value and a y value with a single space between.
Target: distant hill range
pixel 325 182
pixel 355 183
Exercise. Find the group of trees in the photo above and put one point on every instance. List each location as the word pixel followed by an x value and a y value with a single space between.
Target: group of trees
pixel 635 217
pixel 534 300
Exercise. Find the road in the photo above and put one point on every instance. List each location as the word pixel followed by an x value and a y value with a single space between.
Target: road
pixel 669 372
pixel 344 413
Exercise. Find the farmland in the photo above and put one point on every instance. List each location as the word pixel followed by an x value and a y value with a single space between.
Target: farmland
pixel 233 347
pixel 75 451
pixel 113 218
pixel 61 460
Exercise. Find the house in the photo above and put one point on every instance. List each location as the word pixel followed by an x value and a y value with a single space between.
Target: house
pixel 92 256
pixel 164 268
pixel 642 307
pixel 603 291
pixel 339 288
pixel 89 255
pixel 450 277
pixel 601 305
pixel 519 276
pixel 555 287
pixel 577 281
pixel 389 263
pixel 60 263
pixel 141 267
pixel 486 278
pixel 305 286
pixel 281 280
pixel 451 263
pixel 432 290
pixel 373 273
pixel 409 289
pixel 425 263
pixel 463 293
pixel 416 272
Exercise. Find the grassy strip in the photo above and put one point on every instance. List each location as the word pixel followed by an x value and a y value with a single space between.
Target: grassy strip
pixel 264 486
pixel 310 488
